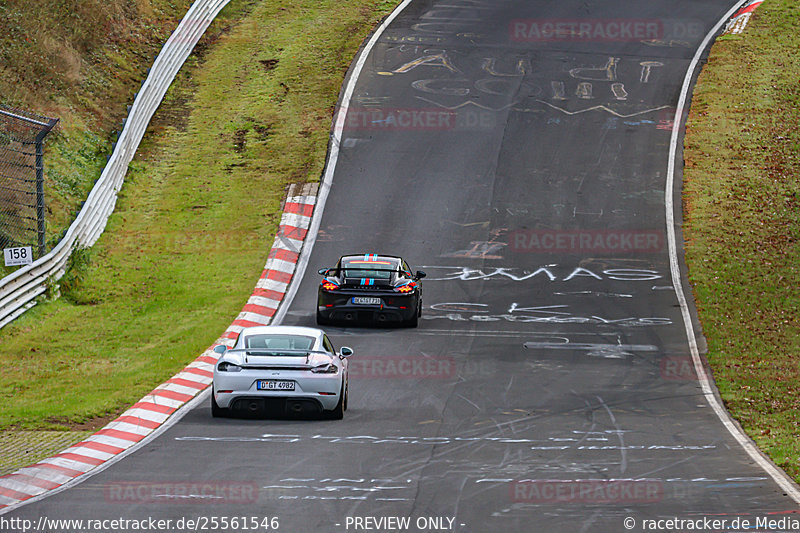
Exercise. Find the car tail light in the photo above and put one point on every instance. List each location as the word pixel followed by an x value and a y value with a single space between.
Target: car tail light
pixel 405 288
pixel 329 285
pixel 328 368
pixel 225 366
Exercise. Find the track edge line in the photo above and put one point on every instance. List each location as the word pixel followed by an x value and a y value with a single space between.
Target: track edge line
pixel 710 392
pixel 330 166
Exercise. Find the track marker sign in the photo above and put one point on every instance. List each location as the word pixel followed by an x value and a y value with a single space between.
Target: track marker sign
pixel 18 256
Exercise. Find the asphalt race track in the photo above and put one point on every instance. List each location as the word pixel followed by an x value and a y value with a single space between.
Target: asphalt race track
pixel 549 385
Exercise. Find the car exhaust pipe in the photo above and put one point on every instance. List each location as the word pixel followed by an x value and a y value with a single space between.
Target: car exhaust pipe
pixel 381 318
pixel 302 407
pixel 252 407
pixel 348 316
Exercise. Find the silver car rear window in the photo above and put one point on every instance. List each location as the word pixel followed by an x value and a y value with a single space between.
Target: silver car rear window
pixel 271 341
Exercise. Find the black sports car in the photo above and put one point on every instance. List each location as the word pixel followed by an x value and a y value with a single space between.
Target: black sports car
pixel 370 288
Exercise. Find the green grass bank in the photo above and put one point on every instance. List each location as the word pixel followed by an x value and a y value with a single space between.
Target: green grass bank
pixel 742 224
pixel 195 219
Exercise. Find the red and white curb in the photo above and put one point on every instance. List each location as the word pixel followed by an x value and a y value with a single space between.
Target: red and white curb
pixel 739 21
pixel 154 409
pixel 281 263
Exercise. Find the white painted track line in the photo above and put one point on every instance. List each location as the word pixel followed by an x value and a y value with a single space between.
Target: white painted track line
pixel 293 204
pixel 330 165
pixel 169 401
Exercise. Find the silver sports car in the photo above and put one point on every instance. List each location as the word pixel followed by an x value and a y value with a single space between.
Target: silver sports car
pixel 285 368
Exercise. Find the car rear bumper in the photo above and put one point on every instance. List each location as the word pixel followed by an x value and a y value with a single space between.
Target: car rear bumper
pixel 241 387
pixel 278 405
pixel 280 400
pixel 394 308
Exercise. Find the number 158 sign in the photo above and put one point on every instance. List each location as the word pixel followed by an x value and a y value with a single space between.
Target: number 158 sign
pixel 18 256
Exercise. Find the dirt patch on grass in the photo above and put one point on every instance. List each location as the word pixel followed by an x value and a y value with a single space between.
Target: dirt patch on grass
pixel 92 424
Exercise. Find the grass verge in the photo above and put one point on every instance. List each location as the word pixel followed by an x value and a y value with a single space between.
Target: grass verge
pixel 195 218
pixel 742 224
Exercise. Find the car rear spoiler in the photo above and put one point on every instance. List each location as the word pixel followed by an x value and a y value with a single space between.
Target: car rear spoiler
pixel 278 353
pixel 325 271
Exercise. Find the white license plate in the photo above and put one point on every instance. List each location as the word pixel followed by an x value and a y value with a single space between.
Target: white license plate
pixel 364 300
pixel 275 384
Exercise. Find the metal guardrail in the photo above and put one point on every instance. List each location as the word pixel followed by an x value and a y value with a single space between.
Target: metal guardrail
pixel 18 291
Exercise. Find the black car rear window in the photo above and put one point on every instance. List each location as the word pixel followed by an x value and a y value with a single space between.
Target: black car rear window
pixel 376 268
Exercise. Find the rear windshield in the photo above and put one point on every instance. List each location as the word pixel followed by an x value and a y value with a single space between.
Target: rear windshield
pixel 360 268
pixel 271 341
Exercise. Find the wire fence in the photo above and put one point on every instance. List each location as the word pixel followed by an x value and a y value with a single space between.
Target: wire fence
pixel 22 213
pixel 20 290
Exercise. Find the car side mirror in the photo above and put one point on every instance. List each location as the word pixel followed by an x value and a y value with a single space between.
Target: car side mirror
pixel 345 352
pixel 420 274
pixel 220 349
pixel 323 271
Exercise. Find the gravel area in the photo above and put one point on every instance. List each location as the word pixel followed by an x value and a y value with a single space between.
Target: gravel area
pixel 23 448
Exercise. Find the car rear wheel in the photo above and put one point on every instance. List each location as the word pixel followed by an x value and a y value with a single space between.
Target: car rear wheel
pixel 414 320
pixel 338 411
pixel 216 410
pixel 321 320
